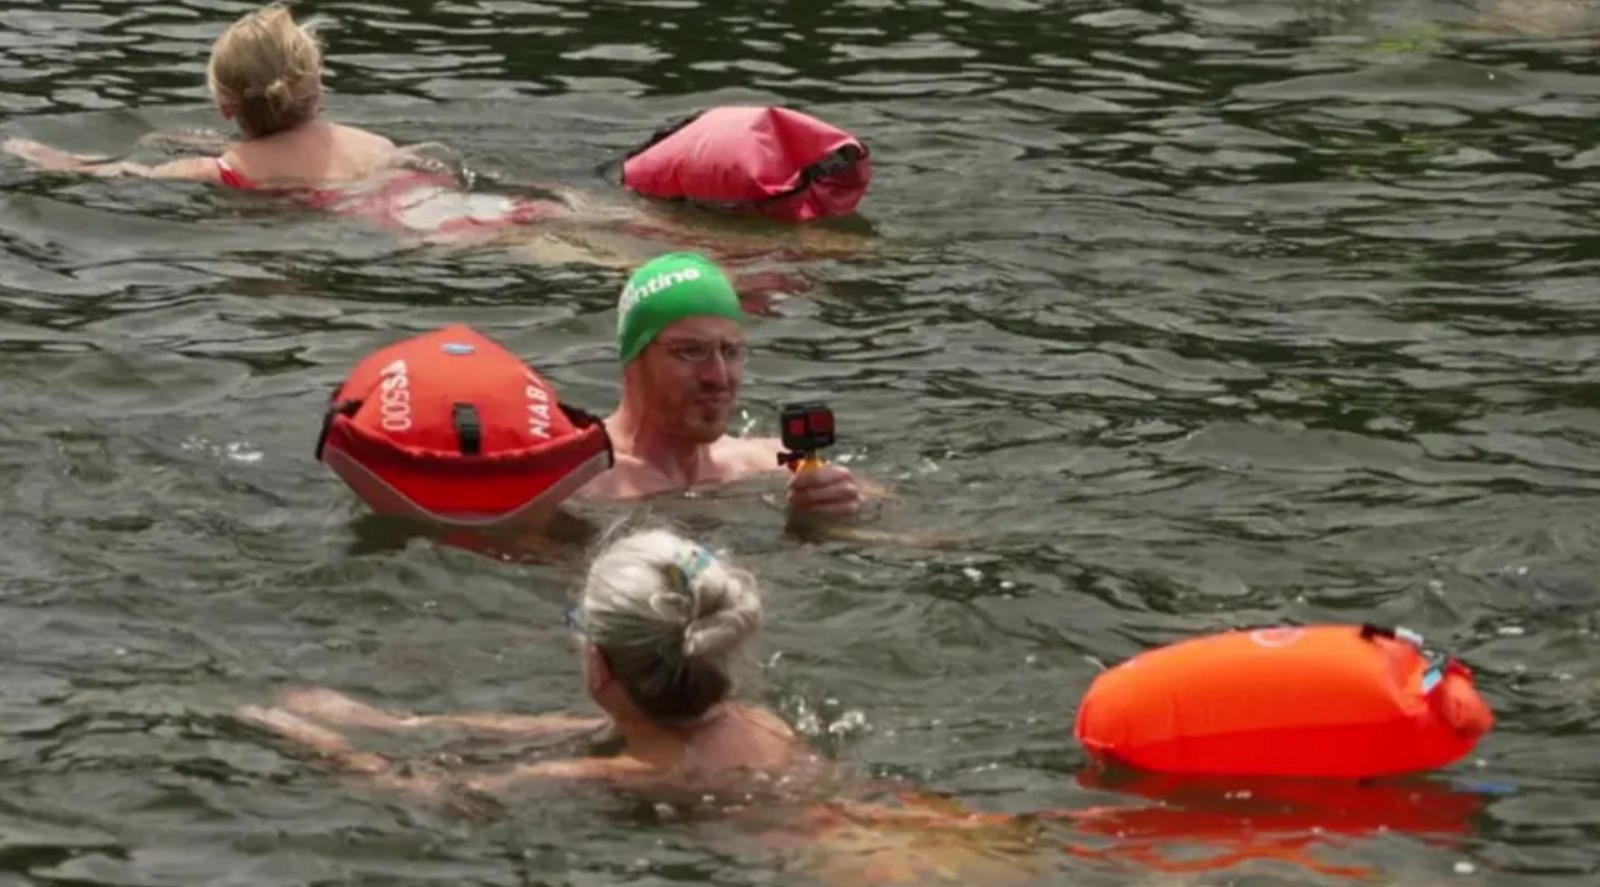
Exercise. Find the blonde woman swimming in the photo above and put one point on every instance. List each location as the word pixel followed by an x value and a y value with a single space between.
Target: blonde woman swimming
pixel 265 76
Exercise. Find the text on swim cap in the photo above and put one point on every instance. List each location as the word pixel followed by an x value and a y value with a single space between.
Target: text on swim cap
pixel 394 397
pixel 633 294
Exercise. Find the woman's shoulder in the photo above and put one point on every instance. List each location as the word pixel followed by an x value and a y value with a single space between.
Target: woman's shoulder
pixel 355 135
pixel 762 741
pixel 768 721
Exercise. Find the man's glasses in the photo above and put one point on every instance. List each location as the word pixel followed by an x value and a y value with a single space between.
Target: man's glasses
pixel 698 351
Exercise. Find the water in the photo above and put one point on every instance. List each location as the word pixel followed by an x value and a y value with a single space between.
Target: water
pixel 1189 315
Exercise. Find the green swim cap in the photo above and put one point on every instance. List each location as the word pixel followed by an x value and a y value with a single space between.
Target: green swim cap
pixel 668 289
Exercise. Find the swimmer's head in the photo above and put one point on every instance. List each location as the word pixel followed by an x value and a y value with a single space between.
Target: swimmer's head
pixel 661 617
pixel 681 340
pixel 667 289
pixel 265 72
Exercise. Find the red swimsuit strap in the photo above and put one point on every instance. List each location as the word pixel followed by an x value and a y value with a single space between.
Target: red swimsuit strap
pixel 318 198
pixel 231 177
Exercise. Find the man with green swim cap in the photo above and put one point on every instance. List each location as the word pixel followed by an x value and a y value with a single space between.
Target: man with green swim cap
pixel 667 289
pixel 682 346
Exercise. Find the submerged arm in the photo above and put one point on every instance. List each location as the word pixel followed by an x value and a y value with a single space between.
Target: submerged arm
pixel 196 140
pixel 833 505
pixel 577 768
pixel 199 169
pixel 521 725
pixel 335 749
pixel 332 707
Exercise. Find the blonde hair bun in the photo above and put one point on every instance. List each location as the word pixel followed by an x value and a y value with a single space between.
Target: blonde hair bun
pixel 268 69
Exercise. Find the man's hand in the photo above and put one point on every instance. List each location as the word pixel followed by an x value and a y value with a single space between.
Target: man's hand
pixel 829 490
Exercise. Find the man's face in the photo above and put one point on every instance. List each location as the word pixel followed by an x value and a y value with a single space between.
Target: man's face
pixel 689 377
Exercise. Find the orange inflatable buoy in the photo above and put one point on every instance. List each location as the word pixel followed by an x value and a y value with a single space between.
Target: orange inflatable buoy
pixel 452 428
pixel 1339 701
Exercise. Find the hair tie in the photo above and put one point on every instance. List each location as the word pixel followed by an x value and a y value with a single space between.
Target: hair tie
pixel 682 574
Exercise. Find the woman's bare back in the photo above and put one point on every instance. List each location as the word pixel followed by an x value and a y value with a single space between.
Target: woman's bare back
pixel 316 153
pixel 742 739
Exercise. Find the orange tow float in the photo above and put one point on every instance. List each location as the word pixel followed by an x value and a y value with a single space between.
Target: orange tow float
pixel 451 427
pixel 1332 701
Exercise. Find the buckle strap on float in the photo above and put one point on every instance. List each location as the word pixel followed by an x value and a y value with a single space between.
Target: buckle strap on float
pixel 839 162
pixel 665 131
pixel 1439 662
pixel 336 408
pixel 469 428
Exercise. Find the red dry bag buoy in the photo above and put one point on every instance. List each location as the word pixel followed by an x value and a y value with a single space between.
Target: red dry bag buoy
pixel 1322 701
pixel 452 427
pixel 774 162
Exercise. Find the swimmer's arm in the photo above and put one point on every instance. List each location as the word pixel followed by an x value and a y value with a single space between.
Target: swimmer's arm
pixel 763 455
pixel 820 520
pixel 411 157
pixel 333 707
pixel 575 769
pixel 334 749
pixel 189 169
pixel 194 140
pixel 436 784
pixel 513 724
pixel 199 169
pixel 44 156
pixel 329 745
pixel 614 769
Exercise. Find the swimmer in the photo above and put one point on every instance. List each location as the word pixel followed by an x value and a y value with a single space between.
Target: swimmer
pixel 265 76
pixel 659 619
pixel 681 342
pixel 682 348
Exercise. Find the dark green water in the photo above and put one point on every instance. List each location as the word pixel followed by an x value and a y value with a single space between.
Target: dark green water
pixel 1197 314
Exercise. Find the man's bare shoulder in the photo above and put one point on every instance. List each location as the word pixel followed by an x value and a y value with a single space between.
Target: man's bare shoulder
pixel 628 478
pixel 732 459
pixel 740 457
